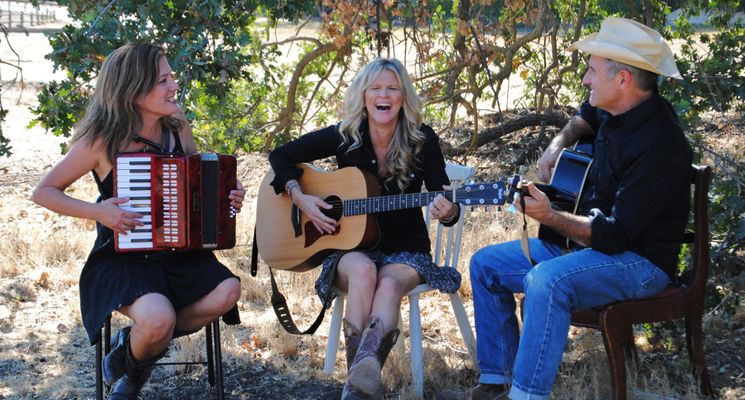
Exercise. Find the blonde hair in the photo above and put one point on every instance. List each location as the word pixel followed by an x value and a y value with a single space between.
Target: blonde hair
pixel 407 141
pixel 112 116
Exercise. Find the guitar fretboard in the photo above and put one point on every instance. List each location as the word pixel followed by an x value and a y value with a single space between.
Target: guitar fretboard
pixel 390 203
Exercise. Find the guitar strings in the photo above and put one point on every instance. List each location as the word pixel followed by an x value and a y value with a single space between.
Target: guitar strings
pixel 386 198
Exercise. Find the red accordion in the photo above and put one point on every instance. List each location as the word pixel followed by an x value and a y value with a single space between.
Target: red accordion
pixel 184 200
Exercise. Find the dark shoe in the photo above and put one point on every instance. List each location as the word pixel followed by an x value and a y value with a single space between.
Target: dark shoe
pixel 113 363
pixel 136 374
pixel 482 391
pixel 364 381
pixel 352 338
pixel 129 388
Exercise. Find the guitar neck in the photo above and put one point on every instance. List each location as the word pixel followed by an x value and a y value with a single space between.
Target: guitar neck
pixel 379 204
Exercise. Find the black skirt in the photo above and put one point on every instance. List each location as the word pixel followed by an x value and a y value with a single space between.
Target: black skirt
pixel 110 281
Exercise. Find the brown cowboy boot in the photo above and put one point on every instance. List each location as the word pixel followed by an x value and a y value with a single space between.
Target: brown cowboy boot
pixel 482 391
pixel 352 338
pixel 364 376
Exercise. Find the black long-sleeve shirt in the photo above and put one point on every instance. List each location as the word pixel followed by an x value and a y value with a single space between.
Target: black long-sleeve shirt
pixel 401 230
pixel 640 182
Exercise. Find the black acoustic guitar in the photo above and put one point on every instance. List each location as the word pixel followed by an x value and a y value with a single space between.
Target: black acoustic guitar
pixel 565 189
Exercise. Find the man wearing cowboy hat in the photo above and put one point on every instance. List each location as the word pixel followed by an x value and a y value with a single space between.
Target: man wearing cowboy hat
pixel 632 214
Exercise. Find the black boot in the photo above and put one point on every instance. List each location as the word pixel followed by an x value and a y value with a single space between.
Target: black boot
pixel 137 373
pixel 113 363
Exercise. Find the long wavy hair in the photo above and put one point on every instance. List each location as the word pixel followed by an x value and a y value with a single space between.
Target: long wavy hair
pixel 127 74
pixel 407 140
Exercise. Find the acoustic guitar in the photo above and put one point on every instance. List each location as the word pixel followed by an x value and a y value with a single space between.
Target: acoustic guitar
pixel 287 240
pixel 565 189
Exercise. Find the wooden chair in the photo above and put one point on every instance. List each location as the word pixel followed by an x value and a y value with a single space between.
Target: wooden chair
pixel 451 238
pixel 616 320
pixel 213 361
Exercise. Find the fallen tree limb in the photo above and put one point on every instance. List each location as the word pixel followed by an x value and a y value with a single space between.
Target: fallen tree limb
pixel 495 133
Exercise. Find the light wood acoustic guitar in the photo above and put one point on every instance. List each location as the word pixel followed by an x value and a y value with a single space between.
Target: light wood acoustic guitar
pixel 287 240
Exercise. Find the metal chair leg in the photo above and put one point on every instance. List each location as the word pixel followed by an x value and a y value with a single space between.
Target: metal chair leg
pixel 103 347
pixel 99 372
pixel 210 355
pixel 107 336
pixel 218 360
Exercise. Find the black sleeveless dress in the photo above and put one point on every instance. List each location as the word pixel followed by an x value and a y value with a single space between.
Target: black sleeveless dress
pixel 110 281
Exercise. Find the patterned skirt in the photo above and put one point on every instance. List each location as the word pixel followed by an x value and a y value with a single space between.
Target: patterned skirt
pixel 445 279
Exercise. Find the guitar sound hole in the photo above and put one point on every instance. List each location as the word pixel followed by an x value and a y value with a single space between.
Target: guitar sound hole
pixel 337 210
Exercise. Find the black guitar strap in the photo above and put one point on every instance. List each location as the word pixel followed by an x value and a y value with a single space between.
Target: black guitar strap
pixel 279 303
pixel 254 256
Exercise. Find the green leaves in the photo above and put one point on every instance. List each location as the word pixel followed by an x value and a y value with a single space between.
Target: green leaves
pixel 5 149
pixel 205 42
pixel 60 106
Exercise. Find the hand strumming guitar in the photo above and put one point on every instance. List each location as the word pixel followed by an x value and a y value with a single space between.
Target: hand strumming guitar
pixel 311 205
pixel 567 136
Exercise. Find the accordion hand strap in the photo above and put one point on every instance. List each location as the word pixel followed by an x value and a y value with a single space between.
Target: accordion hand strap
pixel 165 148
pixel 149 143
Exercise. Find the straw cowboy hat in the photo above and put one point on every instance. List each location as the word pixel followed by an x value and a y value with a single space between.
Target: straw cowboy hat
pixel 631 43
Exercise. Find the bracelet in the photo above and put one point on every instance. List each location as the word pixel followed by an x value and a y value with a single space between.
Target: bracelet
pixel 451 218
pixel 291 185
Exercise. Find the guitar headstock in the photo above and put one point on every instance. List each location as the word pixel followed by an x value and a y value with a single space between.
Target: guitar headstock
pixel 488 193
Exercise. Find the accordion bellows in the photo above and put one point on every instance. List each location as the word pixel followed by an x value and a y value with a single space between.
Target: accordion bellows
pixel 183 200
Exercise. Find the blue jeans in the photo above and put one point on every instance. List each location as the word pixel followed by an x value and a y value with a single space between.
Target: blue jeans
pixel 554 288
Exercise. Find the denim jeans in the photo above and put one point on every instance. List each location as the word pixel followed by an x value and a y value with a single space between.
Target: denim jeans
pixel 554 288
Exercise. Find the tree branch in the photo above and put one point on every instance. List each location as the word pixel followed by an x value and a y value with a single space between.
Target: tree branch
pixel 495 133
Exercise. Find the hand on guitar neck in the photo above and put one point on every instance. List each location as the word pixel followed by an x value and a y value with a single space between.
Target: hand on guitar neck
pixel 536 201
pixel 441 208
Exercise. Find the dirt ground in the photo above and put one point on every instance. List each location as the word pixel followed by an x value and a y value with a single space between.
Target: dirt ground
pixel 44 352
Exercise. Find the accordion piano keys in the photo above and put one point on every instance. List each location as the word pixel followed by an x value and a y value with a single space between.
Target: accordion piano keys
pixel 183 198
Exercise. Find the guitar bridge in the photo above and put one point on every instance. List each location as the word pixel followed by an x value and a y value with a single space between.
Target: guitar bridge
pixel 312 234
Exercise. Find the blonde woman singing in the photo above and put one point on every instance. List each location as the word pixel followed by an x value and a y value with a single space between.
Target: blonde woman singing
pixel 381 132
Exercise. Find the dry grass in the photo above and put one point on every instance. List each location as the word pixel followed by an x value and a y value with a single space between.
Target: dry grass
pixel 45 355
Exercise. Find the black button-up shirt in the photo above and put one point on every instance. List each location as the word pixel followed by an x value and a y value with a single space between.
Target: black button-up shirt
pixel 639 183
pixel 400 230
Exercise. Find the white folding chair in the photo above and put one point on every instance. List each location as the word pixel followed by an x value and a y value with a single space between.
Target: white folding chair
pixel 458 174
